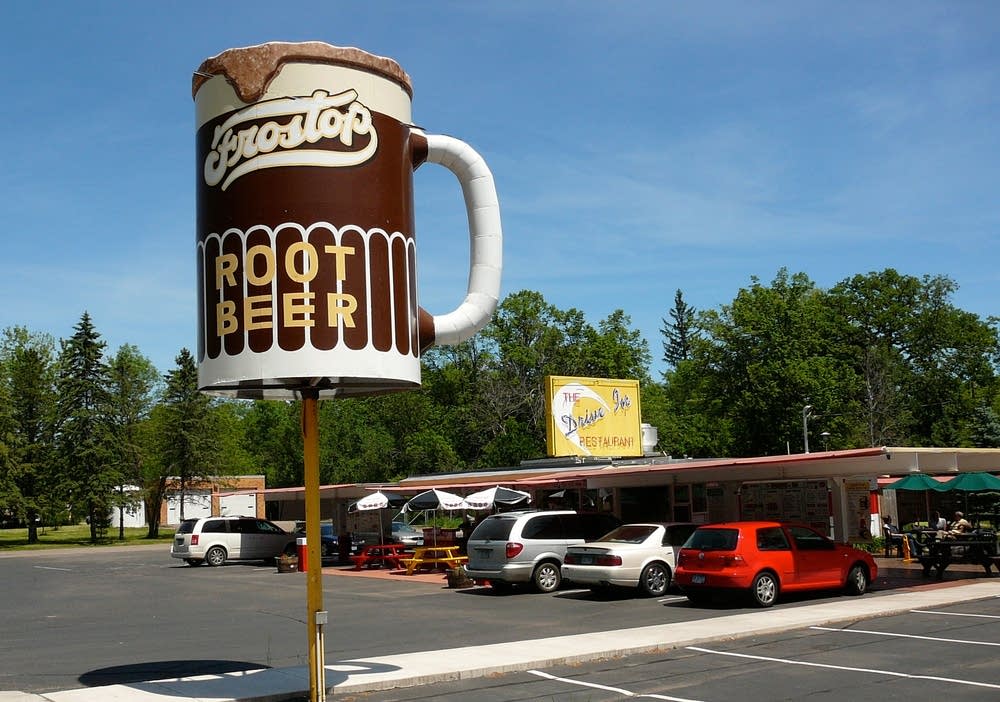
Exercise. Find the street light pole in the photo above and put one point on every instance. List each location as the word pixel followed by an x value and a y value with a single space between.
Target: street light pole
pixel 805 426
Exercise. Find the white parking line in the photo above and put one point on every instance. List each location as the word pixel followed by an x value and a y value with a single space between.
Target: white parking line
pixel 67 570
pixel 955 614
pixel 606 688
pixel 907 636
pixel 873 671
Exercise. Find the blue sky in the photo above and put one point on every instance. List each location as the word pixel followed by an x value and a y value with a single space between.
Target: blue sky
pixel 637 148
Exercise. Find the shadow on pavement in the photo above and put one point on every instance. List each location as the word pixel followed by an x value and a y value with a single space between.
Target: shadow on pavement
pixel 160 670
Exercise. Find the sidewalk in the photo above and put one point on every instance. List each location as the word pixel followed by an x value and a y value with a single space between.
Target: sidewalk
pixel 900 587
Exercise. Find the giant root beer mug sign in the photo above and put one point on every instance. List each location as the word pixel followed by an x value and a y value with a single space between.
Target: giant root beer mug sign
pixel 306 252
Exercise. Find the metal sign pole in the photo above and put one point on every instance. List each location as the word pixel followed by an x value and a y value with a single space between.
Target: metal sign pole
pixel 314 557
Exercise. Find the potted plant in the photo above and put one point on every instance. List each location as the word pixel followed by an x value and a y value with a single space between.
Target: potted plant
pixel 287 563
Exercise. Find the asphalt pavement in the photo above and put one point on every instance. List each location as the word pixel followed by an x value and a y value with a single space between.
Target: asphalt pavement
pixel 426 667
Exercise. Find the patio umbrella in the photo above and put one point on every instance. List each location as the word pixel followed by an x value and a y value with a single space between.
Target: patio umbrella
pixel 491 497
pixel 916 481
pixel 435 499
pixel 378 500
pixel 919 481
pixel 973 482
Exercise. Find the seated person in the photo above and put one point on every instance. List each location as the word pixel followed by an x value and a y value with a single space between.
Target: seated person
pixel 893 532
pixel 938 522
pixel 960 525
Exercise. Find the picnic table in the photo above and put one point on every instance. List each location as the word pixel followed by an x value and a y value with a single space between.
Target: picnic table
pixel 979 549
pixel 434 557
pixel 381 555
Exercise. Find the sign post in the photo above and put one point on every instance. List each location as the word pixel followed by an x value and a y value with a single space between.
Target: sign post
pixel 314 560
pixel 305 246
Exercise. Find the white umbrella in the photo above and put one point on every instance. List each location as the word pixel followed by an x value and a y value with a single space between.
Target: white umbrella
pixel 508 497
pixel 435 499
pixel 377 500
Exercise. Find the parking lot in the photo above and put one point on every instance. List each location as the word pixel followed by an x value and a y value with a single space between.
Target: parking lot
pixel 947 654
pixel 81 618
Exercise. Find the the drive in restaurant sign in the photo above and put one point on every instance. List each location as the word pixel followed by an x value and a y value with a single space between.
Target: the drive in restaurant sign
pixel 592 417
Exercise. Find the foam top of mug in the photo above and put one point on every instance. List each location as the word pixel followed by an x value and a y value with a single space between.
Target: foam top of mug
pixel 250 69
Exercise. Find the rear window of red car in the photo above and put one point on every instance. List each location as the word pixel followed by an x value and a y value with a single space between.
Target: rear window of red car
pixel 713 539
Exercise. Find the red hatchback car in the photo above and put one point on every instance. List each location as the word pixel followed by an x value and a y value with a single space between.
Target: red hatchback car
pixel 767 558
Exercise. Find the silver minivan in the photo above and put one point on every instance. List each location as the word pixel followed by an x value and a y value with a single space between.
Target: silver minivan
pixel 529 547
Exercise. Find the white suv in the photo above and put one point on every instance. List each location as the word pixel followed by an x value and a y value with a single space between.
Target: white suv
pixel 528 547
pixel 215 540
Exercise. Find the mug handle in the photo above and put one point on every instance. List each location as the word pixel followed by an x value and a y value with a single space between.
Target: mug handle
pixel 485 239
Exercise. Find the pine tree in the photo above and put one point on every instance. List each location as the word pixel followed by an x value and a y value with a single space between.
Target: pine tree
pixel 187 447
pixel 680 332
pixel 84 438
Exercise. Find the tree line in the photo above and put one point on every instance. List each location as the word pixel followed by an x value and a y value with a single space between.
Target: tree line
pixel 878 359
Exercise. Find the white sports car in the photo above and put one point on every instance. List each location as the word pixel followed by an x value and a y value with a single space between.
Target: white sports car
pixel 633 555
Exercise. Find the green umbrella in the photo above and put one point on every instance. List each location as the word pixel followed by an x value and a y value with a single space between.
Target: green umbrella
pixel 973 482
pixel 916 481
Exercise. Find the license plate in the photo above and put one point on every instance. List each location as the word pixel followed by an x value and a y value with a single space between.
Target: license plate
pixel 698 579
pixel 483 552
pixel 586 560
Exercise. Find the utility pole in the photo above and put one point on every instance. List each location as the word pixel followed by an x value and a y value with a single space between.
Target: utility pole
pixel 805 426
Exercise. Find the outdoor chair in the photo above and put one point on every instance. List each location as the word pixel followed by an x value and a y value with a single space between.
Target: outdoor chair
pixel 892 541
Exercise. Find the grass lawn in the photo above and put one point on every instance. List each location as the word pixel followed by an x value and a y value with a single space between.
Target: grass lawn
pixel 77 535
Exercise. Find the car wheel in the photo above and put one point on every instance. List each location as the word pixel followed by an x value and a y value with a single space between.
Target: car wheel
pixel 215 556
pixel 764 590
pixel 655 579
pixel 857 581
pixel 192 561
pixel 547 577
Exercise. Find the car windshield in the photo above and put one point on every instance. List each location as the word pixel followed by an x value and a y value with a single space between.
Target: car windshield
pixel 629 534
pixel 187 526
pixel 713 539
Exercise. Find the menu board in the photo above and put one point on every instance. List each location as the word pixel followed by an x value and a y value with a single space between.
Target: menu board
pixel 858 509
pixel 805 501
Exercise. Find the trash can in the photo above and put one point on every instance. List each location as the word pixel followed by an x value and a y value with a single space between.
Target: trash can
pixel 300 547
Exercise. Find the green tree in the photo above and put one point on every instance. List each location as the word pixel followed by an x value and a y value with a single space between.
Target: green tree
pixel 272 436
pixel 766 356
pixel 133 389
pixel 188 449
pixel 679 332
pixel 84 438
pixel 27 396
pixel 925 364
